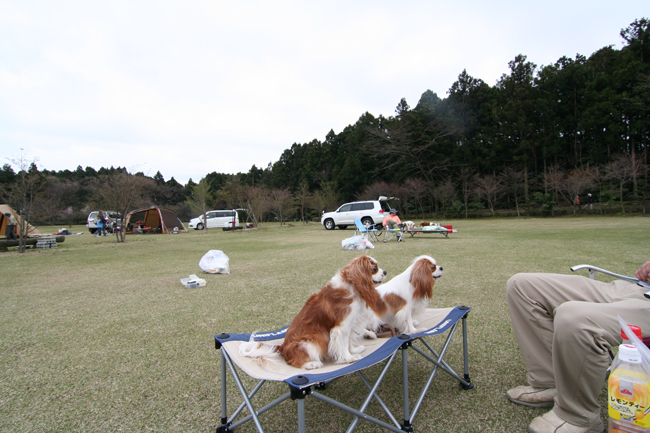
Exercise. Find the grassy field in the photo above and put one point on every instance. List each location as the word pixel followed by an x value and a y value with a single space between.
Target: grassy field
pixel 99 336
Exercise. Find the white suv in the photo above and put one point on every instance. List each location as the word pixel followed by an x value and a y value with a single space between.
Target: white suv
pixel 369 212
pixel 216 219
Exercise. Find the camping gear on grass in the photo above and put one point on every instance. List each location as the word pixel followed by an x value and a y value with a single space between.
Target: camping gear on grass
pixel 356 243
pixel 192 282
pixel 215 262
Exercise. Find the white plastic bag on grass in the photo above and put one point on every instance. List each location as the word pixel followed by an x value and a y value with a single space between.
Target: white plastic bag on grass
pixel 215 262
pixel 356 243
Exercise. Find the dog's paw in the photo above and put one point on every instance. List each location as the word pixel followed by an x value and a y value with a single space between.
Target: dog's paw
pixel 415 323
pixel 357 349
pixel 350 359
pixel 412 330
pixel 369 335
pixel 311 365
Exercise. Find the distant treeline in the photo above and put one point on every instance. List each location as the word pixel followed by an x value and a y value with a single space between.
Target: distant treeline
pixel 533 143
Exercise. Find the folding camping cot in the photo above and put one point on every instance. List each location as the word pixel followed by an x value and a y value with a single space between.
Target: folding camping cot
pixel 303 383
pixel 443 230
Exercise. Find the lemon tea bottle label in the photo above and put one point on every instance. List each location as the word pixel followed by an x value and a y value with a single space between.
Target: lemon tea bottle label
pixel 629 397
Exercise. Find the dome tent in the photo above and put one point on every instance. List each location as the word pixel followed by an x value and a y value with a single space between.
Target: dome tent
pixel 153 220
pixel 5 208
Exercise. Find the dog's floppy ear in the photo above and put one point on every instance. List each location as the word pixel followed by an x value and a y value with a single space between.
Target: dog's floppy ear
pixel 359 273
pixel 422 279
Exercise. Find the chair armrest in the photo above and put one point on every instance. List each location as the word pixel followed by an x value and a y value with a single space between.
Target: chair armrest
pixel 594 269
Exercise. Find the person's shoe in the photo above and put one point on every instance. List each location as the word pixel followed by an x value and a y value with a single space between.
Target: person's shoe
pixel 551 423
pixel 533 397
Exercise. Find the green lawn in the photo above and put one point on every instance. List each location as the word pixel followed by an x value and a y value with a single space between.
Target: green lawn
pixel 101 336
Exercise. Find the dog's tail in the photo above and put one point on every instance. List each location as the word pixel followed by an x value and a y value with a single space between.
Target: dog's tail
pixel 262 353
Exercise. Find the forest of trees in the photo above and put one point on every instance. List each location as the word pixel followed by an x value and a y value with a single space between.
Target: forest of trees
pixel 528 145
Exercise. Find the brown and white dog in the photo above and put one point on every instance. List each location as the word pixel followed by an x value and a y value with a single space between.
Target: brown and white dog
pixel 328 325
pixel 409 225
pixel 407 295
pixel 425 224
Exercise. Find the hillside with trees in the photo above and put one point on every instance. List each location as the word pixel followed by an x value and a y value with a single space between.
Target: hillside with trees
pixel 529 145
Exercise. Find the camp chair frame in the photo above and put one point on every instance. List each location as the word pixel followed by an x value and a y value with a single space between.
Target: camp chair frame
pixel 593 269
pixel 312 382
pixel 592 275
pixel 369 232
pixel 391 233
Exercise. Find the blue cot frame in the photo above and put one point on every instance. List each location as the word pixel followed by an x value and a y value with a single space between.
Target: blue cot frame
pixel 311 383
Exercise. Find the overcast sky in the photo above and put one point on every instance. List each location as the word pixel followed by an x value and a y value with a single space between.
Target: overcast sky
pixel 191 87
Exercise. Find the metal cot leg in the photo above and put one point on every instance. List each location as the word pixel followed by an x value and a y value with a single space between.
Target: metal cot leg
pixel 251 409
pixel 301 415
pixel 224 410
pixel 373 393
pixel 469 385
pixel 405 388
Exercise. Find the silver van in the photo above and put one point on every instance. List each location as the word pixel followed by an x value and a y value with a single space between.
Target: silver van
pixel 216 219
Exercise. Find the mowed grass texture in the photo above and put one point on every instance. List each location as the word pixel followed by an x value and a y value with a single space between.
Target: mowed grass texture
pixel 98 336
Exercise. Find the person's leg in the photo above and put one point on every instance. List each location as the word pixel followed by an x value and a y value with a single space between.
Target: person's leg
pixel 564 325
pixel 393 225
pixel 584 332
pixel 532 300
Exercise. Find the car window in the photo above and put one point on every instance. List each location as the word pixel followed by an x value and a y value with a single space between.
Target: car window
pixel 345 208
pixel 357 206
pixel 211 215
pixel 369 205
pixel 385 206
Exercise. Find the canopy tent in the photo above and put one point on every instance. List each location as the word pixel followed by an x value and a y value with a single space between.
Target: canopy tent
pixel 153 220
pixel 4 208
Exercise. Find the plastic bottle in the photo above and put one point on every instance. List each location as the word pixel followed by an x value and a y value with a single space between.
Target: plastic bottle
pixel 629 391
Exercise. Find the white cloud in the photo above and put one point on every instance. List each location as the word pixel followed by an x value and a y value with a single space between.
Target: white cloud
pixel 187 88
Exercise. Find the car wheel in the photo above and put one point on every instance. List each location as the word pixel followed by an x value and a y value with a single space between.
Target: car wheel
pixel 199 226
pixel 329 224
pixel 92 231
pixel 367 222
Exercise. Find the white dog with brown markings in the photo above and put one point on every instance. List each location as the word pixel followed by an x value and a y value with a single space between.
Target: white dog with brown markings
pixel 409 225
pixel 407 295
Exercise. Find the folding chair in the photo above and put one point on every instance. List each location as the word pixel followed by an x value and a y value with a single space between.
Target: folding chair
pixel 592 274
pixel 391 233
pixel 370 232
pixel 303 383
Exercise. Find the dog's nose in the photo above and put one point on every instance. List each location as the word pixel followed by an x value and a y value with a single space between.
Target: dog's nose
pixel 385 272
pixel 440 268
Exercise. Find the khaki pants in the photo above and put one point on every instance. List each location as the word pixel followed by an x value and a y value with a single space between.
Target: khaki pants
pixel 564 325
